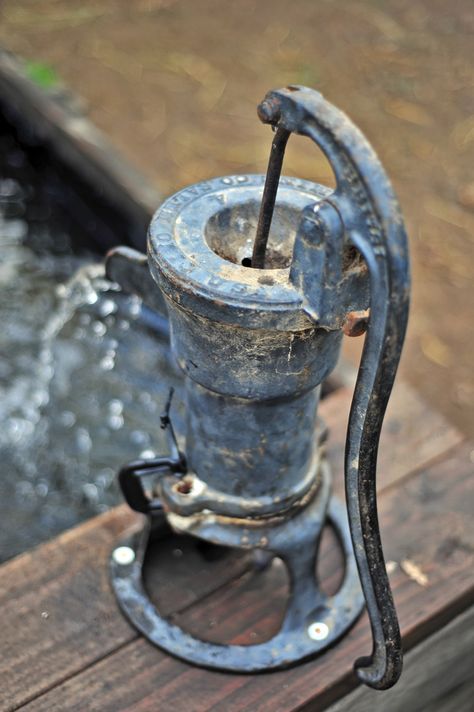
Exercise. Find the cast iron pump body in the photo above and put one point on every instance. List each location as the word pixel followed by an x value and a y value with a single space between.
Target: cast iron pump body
pixel 256 324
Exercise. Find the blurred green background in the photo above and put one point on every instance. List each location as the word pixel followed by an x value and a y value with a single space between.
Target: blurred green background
pixel 175 84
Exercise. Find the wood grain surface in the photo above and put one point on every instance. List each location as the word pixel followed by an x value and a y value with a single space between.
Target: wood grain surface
pixel 66 645
pixel 438 677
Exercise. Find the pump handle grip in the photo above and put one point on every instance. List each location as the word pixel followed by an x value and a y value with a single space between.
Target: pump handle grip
pixel 371 220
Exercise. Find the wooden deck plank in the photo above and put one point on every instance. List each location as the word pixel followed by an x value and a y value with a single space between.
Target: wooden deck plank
pixel 412 434
pixel 427 520
pixel 59 613
pixel 438 675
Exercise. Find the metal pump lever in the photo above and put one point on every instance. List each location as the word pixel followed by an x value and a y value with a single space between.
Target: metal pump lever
pixel 363 213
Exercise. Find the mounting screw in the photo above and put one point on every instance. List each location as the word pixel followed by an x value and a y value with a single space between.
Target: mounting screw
pixel 318 631
pixel 123 555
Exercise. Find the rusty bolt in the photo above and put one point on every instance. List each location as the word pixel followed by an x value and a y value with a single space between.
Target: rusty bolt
pixel 184 486
pixel 269 111
pixel 356 323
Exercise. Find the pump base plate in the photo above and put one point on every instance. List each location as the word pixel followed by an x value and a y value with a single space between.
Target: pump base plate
pixel 313 621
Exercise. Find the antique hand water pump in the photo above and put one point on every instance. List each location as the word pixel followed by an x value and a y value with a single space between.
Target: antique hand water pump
pixel 256 320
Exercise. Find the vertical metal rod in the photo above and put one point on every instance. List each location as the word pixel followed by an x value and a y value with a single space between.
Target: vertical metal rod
pixel 269 196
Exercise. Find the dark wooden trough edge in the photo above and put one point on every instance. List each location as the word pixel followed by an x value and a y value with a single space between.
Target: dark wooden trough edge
pixel 52 118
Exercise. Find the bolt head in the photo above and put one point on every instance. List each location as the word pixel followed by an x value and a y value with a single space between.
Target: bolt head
pixel 123 555
pixel 318 631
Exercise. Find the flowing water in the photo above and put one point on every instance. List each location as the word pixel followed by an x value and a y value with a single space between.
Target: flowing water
pixel 84 374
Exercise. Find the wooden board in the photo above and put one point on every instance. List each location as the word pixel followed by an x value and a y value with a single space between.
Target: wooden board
pixel 439 675
pixel 66 646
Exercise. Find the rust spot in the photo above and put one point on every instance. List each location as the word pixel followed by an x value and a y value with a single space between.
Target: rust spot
pixel 356 323
pixel 184 487
pixel 269 110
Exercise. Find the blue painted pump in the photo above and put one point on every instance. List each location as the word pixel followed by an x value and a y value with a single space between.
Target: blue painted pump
pixel 259 277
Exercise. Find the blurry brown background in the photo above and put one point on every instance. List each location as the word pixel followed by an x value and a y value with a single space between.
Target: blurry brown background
pixel 175 84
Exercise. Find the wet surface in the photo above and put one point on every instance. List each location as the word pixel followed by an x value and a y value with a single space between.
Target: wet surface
pixel 175 84
pixel 84 373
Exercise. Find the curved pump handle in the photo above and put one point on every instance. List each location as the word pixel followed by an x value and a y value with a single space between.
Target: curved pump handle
pixel 362 211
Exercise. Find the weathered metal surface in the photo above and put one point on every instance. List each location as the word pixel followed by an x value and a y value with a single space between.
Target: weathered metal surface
pixel 313 620
pixel 254 346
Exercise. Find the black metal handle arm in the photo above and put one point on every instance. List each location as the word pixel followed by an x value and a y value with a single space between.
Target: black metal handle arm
pixel 377 371
pixel 131 481
pixel 369 215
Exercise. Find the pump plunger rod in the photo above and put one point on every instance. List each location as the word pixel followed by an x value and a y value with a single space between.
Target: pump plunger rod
pixel 272 179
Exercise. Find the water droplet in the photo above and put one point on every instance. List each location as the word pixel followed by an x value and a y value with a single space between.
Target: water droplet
pixel 39 398
pixel 106 307
pixel 91 297
pixel 42 489
pixel 83 440
pixel 105 478
pixel 147 454
pixel 138 437
pixel 14 230
pixel 115 422
pixel 90 491
pixel 18 429
pixel 135 306
pixel 67 418
pixel 99 328
pixel 8 187
pixel 116 406
pixel 108 362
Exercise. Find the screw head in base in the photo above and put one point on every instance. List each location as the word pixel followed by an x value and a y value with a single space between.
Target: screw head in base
pixel 123 555
pixel 318 631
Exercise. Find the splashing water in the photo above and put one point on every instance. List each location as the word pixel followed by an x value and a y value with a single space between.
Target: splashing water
pixel 83 380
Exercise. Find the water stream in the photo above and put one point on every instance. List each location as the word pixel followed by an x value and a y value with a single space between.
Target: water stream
pixel 83 379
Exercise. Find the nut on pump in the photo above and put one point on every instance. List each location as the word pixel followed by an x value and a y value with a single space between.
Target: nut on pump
pixel 260 277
